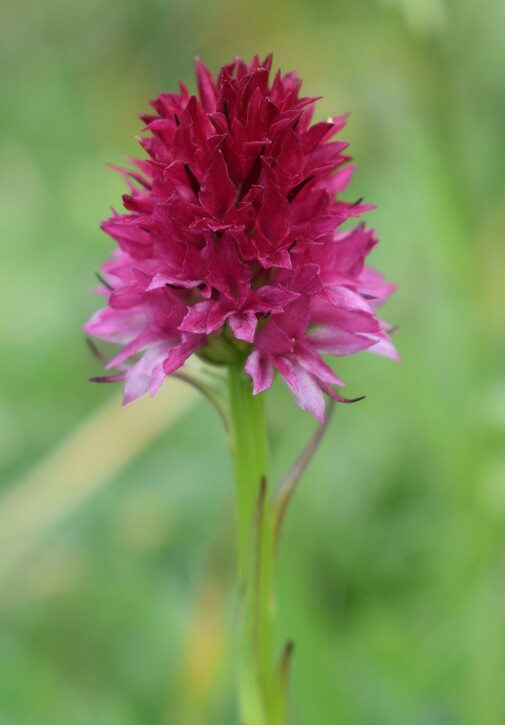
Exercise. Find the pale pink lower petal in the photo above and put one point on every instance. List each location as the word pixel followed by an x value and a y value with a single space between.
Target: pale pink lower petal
pixel 287 369
pixel 309 359
pixel 308 394
pixel 142 342
pixel 261 370
pixel 243 325
pixel 117 326
pixel 384 346
pixel 178 354
pixel 339 341
pixel 139 378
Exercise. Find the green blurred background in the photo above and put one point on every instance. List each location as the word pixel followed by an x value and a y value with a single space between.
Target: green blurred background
pixel 116 526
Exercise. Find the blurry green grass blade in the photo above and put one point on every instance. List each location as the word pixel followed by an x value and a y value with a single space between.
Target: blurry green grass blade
pixel 79 466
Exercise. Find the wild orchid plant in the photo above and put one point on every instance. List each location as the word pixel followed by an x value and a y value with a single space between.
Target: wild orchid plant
pixel 230 249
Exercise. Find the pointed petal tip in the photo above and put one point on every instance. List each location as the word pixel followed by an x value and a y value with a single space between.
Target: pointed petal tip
pixel 348 401
pixel 107 378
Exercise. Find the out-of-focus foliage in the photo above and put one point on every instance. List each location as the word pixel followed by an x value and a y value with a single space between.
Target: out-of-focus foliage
pixel 392 570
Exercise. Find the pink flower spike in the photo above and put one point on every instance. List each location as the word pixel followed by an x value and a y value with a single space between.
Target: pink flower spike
pixel 230 244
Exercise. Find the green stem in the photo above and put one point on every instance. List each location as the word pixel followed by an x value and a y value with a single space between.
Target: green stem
pixel 249 441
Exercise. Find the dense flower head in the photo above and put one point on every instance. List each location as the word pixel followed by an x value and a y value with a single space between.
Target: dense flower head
pixel 231 245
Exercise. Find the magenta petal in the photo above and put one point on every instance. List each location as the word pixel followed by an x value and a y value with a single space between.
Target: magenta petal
pixel 126 298
pixel 315 365
pixel 118 326
pixel 384 346
pixel 227 273
pixel 274 216
pixel 341 180
pixel 142 342
pixel 295 320
pixel 166 280
pixel 275 296
pixel 205 317
pixel 339 341
pixel 217 193
pixel 287 369
pixel 271 339
pixel 261 371
pixel 243 325
pixel 206 86
pixel 308 394
pixel 128 232
pixel 306 280
pixel 139 378
pixel 178 354
pixel 371 282
pixel 316 134
pixel 275 258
